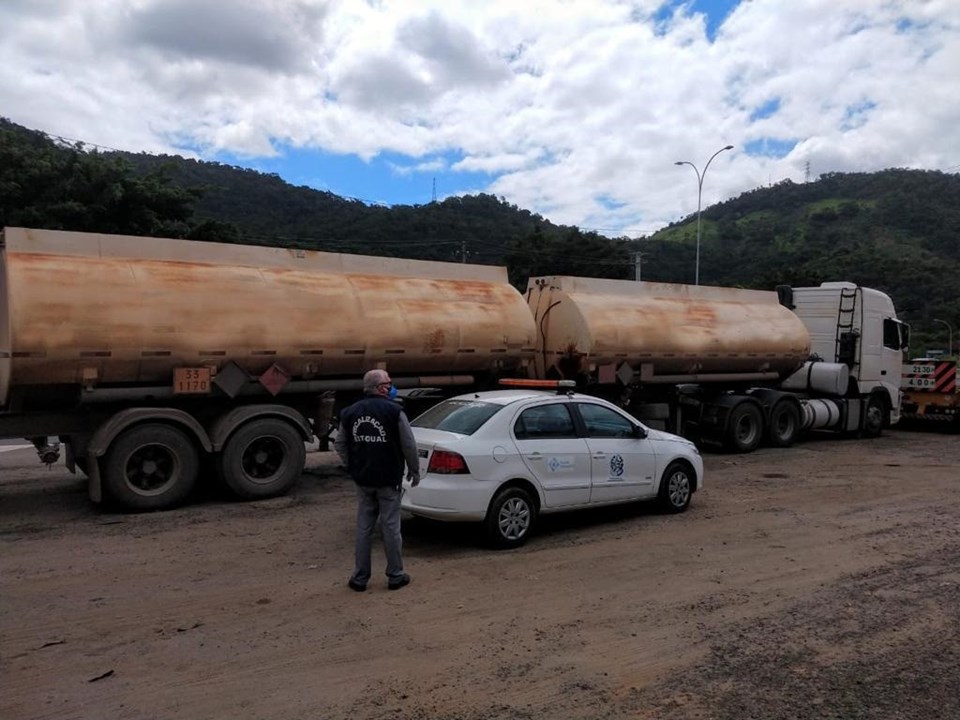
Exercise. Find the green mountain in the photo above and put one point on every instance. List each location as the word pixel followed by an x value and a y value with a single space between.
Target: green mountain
pixel 895 230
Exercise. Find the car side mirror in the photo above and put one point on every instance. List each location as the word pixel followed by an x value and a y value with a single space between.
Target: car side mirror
pixel 639 432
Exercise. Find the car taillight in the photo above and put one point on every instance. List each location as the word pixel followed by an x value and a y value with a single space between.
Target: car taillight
pixel 447 463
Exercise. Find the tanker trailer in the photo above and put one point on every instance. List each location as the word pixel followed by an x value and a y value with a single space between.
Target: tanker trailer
pixel 724 366
pixel 154 359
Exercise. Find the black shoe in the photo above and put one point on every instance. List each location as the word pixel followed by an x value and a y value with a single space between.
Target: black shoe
pixel 354 585
pixel 402 581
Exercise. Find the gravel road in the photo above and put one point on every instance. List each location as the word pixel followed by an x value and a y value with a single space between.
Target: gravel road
pixel 822 581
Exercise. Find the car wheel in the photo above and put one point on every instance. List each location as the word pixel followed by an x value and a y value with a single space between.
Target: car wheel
pixel 510 518
pixel 676 488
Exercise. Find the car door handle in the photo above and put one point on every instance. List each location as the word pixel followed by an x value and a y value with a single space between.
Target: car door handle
pixel 534 456
pixel 599 456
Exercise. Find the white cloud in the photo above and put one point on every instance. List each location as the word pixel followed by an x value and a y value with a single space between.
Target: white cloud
pixel 578 108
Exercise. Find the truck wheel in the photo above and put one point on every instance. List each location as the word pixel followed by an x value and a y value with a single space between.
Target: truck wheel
pixel 676 488
pixel 874 417
pixel 744 427
pixel 262 459
pixel 151 467
pixel 784 426
pixel 510 518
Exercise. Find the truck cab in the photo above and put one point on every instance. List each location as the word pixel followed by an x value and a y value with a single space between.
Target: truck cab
pixel 858 327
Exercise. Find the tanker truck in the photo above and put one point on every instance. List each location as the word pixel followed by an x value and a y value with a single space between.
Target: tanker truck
pixel 158 363
pixel 726 366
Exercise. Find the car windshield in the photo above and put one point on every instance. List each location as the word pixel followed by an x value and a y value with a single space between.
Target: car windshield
pixel 457 416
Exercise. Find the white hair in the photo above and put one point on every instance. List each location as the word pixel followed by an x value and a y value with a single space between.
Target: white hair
pixel 372 378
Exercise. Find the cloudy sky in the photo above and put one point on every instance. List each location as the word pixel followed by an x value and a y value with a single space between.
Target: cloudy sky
pixel 575 109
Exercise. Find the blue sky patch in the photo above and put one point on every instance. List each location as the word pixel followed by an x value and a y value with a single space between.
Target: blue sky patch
pixel 388 176
pixel 770 147
pixel 857 115
pixel 716 11
pixel 609 203
pixel 770 107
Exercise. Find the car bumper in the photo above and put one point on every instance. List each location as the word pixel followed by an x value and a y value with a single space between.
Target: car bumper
pixel 447 497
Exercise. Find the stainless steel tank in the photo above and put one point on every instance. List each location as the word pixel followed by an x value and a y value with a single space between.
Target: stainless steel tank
pixel 586 323
pixel 101 309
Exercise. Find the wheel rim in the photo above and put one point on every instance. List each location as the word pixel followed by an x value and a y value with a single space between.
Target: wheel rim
pixel 785 425
pixel 151 469
pixel 874 419
pixel 514 519
pixel 678 489
pixel 746 430
pixel 263 458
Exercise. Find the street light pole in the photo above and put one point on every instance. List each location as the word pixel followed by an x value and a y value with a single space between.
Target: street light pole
pixel 949 336
pixel 637 264
pixel 700 177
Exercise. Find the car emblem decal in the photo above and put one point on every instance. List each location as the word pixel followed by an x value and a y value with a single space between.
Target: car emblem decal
pixel 616 466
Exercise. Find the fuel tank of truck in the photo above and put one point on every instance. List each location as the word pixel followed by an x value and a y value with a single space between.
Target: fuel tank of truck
pixel 106 309
pixel 664 329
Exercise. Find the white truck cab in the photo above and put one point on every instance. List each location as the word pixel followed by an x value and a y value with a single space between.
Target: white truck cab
pixel 858 327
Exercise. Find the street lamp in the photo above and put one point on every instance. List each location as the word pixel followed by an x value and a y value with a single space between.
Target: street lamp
pixel 949 336
pixel 700 177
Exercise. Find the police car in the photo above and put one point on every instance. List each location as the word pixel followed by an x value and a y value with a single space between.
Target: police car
pixel 504 457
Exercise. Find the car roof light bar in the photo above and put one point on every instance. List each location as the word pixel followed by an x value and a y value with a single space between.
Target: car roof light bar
pixel 544 384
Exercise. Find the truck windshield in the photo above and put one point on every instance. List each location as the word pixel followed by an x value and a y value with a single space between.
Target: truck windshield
pixel 458 416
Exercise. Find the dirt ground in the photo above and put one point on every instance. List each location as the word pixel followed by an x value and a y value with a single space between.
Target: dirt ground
pixel 821 581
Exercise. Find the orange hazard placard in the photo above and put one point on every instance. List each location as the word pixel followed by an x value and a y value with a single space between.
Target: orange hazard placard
pixel 191 381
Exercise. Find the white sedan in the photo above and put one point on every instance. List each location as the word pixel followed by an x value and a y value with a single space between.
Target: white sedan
pixel 504 457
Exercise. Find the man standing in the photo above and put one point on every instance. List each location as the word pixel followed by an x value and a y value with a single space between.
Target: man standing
pixel 374 442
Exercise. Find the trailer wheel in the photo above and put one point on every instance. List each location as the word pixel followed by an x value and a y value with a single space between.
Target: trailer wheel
pixel 744 427
pixel 151 467
pixel 262 459
pixel 784 426
pixel 874 416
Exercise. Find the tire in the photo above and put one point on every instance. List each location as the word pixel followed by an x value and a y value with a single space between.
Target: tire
pixel 151 467
pixel 262 459
pixel 874 417
pixel 510 518
pixel 784 428
pixel 744 429
pixel 676 488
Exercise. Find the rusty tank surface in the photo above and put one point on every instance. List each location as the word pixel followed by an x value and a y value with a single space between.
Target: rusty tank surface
pixel 664 330
pixel 93 309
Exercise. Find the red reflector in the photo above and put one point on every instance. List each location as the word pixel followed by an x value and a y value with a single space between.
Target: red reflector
pixel 444 462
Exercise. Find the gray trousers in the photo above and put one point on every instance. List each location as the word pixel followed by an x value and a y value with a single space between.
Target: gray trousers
pixel 371 503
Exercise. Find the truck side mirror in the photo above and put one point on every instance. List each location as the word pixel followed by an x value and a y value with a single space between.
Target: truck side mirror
pixel 785 296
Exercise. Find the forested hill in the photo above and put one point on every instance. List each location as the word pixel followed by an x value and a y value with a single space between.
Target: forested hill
pixel 895 230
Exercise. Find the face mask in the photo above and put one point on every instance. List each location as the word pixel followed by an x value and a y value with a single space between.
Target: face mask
pixel 393 392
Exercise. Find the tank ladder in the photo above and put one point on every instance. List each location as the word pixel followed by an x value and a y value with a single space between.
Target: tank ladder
pixel 847 334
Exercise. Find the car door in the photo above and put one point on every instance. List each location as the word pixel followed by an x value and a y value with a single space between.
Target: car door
pixel 623 466
pixel 546 437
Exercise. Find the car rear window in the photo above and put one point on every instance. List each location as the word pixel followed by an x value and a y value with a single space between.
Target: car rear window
pixel 458 416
